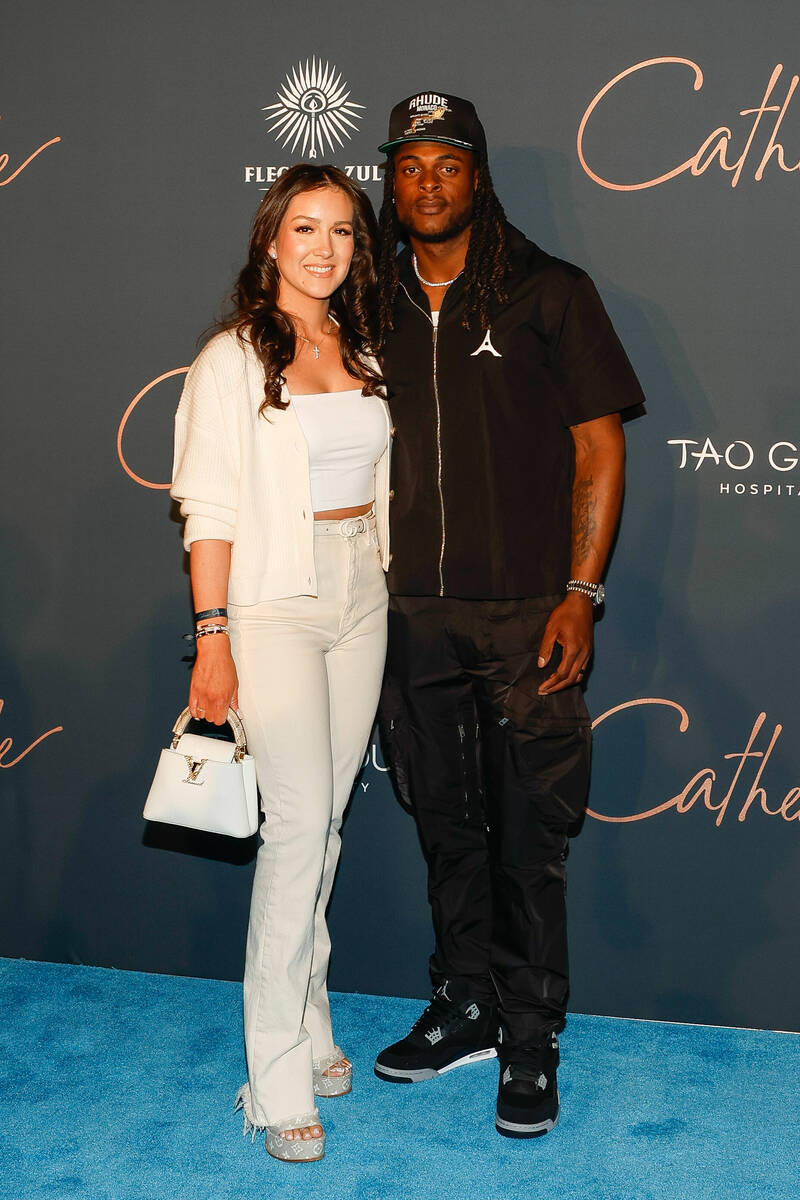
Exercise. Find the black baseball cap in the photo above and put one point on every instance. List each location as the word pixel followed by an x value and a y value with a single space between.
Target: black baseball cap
pixel 435 117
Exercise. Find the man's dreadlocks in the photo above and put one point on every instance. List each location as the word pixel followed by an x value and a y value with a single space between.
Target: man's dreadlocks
pixel 487 256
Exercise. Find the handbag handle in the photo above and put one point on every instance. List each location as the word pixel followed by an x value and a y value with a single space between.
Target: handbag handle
pixel 232 719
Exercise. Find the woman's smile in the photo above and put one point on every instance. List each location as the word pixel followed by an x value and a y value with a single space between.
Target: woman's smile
pixel 314 246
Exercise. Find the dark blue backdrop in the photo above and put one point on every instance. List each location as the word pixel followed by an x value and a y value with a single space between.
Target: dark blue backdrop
pixel 134 142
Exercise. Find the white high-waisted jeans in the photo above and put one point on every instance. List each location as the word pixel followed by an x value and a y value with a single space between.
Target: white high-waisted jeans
pixel 309 671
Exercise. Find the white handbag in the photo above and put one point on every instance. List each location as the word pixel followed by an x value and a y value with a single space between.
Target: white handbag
pixel 205 783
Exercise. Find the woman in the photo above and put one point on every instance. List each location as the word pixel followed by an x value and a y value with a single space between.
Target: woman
pixel 281 469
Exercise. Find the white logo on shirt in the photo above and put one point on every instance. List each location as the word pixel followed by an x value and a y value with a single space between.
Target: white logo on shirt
pixel 486 344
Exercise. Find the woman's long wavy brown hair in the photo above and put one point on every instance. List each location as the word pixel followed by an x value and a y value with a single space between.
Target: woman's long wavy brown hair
pixel 487 257
pixel 259 321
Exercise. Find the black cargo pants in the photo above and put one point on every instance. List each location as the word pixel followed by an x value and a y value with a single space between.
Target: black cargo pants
pixel 494 775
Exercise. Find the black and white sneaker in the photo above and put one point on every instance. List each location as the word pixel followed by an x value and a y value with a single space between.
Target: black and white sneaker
pixel 528 1103
pixel 447 1035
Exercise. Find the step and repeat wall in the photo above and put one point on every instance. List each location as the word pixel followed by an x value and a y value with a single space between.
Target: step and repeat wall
pixel 655 144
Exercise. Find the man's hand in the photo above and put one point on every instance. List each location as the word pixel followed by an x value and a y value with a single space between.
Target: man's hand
pixel 596 498
pixel 571 625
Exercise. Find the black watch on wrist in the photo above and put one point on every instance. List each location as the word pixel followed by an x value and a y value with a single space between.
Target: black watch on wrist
pixel 595 591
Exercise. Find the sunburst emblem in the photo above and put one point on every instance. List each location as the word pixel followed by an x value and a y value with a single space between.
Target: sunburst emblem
pixel 313 106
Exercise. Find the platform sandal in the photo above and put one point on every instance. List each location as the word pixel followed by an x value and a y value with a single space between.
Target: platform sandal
pixel 295 1149
pixel 332 1085
pixel 287 1150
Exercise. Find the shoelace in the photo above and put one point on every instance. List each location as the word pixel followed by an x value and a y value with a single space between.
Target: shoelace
pixel 439 1012
pixel 531 1062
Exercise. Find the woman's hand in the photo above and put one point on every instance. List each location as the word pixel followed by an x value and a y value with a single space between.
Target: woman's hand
pixel 215 685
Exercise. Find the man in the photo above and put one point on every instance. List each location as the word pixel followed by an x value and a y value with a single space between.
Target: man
pixel 506 381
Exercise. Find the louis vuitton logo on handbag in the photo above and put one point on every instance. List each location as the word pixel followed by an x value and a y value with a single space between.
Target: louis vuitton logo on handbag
pixel 195 767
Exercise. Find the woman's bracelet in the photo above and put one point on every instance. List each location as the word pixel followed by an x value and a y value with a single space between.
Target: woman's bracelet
pixel 210 612
pixel 205 630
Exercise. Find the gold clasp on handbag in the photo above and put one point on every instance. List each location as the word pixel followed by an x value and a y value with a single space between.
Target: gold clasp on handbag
pixel 195 767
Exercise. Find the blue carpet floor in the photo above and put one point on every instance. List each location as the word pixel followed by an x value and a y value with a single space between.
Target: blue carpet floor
pixel 119 1086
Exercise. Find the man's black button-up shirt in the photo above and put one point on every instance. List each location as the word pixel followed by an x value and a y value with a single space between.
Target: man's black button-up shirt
pixel 483 459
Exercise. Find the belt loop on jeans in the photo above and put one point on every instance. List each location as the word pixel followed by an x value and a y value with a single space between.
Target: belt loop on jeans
pixel 351 526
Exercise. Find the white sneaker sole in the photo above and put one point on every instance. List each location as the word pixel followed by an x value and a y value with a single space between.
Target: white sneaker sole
pixel 397 1075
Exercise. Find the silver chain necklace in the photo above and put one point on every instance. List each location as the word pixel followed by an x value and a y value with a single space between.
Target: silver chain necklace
pixel 313 345
pixel 427 282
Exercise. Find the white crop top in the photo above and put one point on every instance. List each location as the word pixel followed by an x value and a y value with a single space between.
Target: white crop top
pixel 346 435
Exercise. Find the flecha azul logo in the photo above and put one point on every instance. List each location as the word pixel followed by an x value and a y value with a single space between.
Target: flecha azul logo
pixel 312 118
pixel 776 461
pixel 315 106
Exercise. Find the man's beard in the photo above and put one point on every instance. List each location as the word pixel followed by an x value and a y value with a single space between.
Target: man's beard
pixel 457 223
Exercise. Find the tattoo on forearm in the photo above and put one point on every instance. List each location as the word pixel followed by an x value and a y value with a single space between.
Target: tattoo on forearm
pixel 584 524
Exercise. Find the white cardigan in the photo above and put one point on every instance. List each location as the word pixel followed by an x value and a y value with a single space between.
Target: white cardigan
pixel 244 478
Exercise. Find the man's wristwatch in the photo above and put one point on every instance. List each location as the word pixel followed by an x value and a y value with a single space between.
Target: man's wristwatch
pixel 595 591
